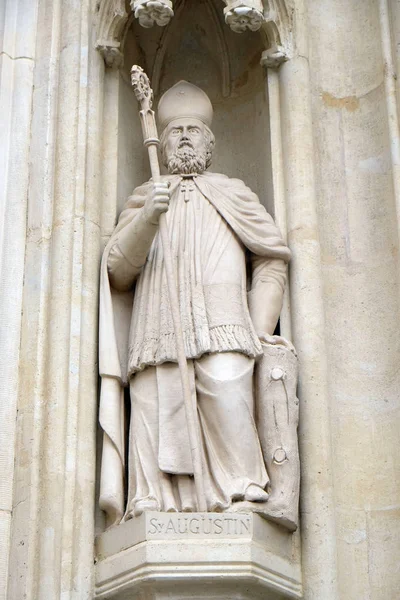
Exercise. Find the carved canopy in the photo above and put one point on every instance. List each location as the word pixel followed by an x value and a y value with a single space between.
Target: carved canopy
pixel 275 17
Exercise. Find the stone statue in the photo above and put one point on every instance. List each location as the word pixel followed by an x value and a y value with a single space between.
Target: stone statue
pixel 230 266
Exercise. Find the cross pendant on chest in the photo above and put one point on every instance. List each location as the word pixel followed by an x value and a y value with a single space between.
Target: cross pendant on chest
pixel 187 186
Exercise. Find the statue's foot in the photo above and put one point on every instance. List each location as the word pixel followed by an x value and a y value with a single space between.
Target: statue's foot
pixel 219 507
pixel 147 504
pixel 288 519
pixel 255 494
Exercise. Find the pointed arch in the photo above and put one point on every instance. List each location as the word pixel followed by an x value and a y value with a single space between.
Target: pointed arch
pixel 278 25
pixel 111 21
pixel 223 53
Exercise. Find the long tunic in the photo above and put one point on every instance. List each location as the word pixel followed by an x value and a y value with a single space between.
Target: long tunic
pixel 210 237
pixel 210 263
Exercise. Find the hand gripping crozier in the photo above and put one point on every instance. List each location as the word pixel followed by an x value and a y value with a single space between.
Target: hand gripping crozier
pixel 229 262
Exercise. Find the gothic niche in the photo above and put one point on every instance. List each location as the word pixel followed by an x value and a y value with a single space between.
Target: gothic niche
pixel 198 46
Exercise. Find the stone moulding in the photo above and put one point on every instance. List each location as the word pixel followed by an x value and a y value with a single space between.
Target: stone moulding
pixel 273 17
pixel 192 554
pixel 112 18
pixel 150 12
pixel 111 53
pixel 244 15
pixel 278 27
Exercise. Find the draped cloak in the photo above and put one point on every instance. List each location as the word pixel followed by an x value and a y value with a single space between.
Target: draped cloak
pixel 120 357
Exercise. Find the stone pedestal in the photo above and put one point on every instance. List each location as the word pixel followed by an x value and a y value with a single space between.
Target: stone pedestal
pixel 197 555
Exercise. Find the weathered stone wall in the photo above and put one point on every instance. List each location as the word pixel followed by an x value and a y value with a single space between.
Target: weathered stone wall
pixel 17 62
pixel 356 151
pixel 335 148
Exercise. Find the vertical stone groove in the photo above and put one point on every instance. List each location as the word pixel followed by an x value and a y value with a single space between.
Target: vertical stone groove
pixel 319 555
pixel 391 101
pixel 16 81
pixel 57 422
pixel 279 183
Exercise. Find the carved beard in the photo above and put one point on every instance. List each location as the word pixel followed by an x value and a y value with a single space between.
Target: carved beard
pixel 186 160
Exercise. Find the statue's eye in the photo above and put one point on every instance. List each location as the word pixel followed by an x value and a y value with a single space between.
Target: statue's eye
pixel 194 130
pixel 176 132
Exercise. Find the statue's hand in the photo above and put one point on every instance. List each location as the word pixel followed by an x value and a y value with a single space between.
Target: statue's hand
pixel 157 202
pixel 277 340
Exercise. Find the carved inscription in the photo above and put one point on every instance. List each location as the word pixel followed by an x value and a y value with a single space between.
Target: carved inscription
pixel 199 525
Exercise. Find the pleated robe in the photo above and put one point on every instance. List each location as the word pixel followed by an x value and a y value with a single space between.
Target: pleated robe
pixel 213 223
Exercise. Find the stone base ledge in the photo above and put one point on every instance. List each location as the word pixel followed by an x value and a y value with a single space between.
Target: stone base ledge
pixel 232 556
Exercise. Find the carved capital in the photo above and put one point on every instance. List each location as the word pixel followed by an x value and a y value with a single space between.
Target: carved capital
pixel 241 15
pixel 111 53
pixel 149 12
pixel 112 19
pixel 274 57
pixel 278 26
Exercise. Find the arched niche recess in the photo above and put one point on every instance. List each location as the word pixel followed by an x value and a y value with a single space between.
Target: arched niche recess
pixel 198 46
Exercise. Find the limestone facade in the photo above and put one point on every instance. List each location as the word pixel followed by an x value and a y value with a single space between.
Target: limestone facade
pixel 319 122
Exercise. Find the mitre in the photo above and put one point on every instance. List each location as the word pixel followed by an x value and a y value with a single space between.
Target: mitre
pixel 184 100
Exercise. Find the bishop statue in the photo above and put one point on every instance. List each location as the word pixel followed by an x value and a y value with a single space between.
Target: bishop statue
pixel 230 265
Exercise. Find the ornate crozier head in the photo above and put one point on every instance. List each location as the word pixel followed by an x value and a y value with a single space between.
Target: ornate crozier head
pixel 185 115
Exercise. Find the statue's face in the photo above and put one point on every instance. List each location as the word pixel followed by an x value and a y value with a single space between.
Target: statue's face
pixel 183 134
pixel 186 146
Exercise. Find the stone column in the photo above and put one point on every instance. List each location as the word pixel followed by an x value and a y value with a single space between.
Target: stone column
pixel 53 532
pixel 357 158
pixel 278 176
pixel 318 539
pixel 17 45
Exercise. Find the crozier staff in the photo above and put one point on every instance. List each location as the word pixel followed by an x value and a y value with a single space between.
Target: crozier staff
pixel 144 95
pixel 214 222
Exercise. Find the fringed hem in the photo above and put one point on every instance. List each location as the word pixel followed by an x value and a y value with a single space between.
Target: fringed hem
pixel 223 338
pixel 235 338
